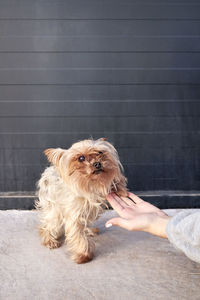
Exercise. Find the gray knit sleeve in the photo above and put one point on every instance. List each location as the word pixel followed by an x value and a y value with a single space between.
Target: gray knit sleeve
pixel 183 231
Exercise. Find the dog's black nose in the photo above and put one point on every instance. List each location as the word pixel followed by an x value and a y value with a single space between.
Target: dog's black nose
pixel 97 165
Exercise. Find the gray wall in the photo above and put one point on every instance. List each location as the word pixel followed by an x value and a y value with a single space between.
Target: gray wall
pixel 126 70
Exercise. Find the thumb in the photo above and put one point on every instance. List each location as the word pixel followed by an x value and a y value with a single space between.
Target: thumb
pixel 117 222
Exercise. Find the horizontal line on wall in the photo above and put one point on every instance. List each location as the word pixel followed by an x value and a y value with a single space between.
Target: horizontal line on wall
pixel 135 3
pixel 99 69
pixel 17 195
pixel 102 101
pixel 100 132
pixel 168 193
pixel 163 36
pixel 101 19
pixel 31 194
pixel 39 149
pixel 156 132
pixel 103 84
pixel 113 52
pixel 101 116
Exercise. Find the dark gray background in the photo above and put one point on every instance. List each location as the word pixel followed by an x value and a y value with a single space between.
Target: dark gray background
pixel 125 70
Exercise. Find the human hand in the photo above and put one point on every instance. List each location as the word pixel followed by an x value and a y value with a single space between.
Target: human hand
pixel 137 215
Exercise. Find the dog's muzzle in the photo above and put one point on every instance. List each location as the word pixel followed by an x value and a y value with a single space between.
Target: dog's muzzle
pixel 97 165
pixel 98 168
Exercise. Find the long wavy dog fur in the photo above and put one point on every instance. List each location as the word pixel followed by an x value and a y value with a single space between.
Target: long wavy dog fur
pixel 72 193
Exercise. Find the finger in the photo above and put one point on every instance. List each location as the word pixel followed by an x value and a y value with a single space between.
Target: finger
pixel 135 198
pixel 117 222
pixel 119 199
pixel 130 202
pixel 115 198
pixel 116 205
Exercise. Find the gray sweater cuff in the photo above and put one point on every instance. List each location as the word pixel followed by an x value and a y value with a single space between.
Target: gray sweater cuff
pixel 183 231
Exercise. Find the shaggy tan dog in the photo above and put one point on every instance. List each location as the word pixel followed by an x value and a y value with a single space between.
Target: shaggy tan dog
pixel 72 193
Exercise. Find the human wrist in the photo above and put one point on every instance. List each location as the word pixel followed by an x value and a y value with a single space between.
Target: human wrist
pixel 157 225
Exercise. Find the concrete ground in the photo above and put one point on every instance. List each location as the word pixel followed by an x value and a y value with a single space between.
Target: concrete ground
pixel 126 265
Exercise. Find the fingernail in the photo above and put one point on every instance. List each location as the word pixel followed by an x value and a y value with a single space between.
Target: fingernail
pixel 108 225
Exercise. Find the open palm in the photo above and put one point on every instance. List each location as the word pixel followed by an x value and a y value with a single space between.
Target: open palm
pixel 135 214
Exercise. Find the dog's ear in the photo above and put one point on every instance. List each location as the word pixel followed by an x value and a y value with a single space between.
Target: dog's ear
pixel 103 139
pixel 54 155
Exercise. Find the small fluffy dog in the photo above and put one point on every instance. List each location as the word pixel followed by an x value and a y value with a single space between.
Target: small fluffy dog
pixel 72 193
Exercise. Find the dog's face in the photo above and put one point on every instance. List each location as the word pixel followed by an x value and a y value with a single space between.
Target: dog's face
pixel 88 165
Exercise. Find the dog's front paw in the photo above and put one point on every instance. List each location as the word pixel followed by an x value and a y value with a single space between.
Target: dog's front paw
pixel 48 240
pixel 52 244
pixel 82 258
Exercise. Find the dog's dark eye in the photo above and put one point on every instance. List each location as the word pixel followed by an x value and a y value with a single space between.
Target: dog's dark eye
pixel 100 152
pixel 81 158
